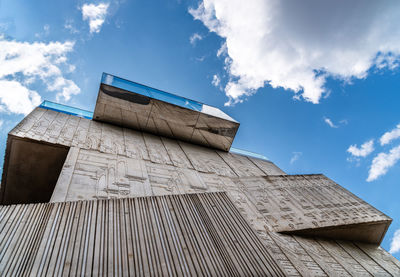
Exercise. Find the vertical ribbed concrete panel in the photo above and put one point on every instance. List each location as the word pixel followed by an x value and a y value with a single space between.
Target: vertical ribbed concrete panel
pixel 176 235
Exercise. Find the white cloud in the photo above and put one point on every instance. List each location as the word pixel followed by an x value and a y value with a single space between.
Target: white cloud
pixel 200 59
pixel 365 149
pixel 46 31
pixel 390 136
pixel 69 25
pixel 23 63
pixel 216 81
pixel 66 88
pixel 4 26
pixel 395 244
pixel 333 125
pixel 388 61
pixel 223 50
pixel 296 45
pixel 17 98
pixel 95 14
pixel 194 38
pixel 382 163
pixel 46 28
pixel 330 123
pixel 295 157
pixel 1 122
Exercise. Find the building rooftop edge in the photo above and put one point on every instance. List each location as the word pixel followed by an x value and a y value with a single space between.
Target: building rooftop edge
pixel 184 102
pixel 89 115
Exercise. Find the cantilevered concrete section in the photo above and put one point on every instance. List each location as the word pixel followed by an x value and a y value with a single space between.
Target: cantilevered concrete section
pixel 119 199
pixel 132 105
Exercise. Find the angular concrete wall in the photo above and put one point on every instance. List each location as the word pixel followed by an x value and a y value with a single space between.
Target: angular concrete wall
pixel 55 127
pixel 308 223
pixel 179 235
pixel 286 203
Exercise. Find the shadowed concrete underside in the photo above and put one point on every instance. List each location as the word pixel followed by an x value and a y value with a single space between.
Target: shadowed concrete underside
pixel 370 232
pixel 31 171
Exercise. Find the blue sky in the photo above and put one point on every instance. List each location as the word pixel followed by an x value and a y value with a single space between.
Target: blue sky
pixel 315 87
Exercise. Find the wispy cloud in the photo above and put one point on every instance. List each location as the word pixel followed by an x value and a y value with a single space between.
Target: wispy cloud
pixel 24 63
pixel 95 14
pixel 69 25
pixel 1 123
pixel 395 244
pixel 4 26
pixel 363 151
pixel 216 81
pixel 223 50
pixel 382 163
pixel 330 123
pixel 390 136
pixel 200 59
pixel 194 38
pixel 333 125
pixel 46 31
pixel 295 156
pixel 278 43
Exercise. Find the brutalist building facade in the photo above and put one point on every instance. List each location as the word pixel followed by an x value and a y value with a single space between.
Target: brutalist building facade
pixel 149 185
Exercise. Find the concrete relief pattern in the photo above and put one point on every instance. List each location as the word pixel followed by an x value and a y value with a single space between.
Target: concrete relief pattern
pixel 26 124
pixel 267 167
pixel 157 152
pixel 68 131
pixel 54 127
pixel 106 162
pixel 112 140
pixel 207 160
pixel 40 127
pixel 96 175
pixel 93 137
pixel 306 201
pixel 338 253
pixel 176 154
pixel 54 130
pixel 241 165
pixel 134 145
pixel 364 259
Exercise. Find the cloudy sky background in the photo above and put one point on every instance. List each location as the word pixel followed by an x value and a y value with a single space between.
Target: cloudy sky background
pixel 315 85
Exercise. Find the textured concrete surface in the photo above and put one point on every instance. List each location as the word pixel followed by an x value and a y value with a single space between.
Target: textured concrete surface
pixel 308 223
pixel 176 235
pixel 301 204
pixel 59 128
pixel 180 235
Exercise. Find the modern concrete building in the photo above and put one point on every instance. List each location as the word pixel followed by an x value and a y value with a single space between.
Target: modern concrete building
pixel 149 185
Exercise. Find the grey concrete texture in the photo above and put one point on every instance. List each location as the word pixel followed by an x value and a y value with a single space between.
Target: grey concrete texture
pixel 180 235
pixel 286 203
pixel 310 225
pixel 176 235
pixel 49 126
